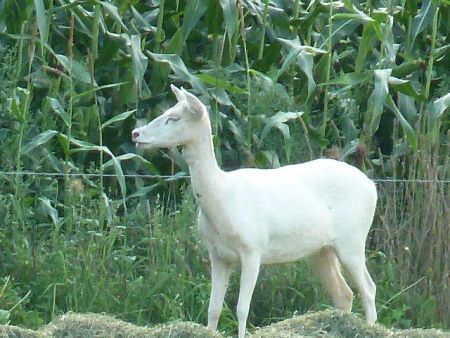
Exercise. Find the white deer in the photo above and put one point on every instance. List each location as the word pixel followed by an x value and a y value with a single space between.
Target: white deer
pixel 320 210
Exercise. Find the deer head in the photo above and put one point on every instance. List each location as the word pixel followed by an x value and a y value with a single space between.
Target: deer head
pixel 177 126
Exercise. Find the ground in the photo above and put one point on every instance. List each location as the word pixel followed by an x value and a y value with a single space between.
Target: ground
pixel 325 324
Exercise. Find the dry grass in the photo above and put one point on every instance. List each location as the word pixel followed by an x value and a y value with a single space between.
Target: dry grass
pixel 7 331
pixel 328 323
pixel 102 326
pixel 333 323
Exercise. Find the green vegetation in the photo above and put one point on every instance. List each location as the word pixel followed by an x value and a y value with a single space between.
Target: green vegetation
pixel 285 82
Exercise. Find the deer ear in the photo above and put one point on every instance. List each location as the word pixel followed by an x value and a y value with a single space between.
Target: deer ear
pixel 179 94
pixel 194 105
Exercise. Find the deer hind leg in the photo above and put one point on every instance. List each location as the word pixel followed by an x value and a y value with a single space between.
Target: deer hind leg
pixel 326 264
pixel 353 261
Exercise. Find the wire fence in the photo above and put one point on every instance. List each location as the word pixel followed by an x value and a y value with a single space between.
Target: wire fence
pixel 182 176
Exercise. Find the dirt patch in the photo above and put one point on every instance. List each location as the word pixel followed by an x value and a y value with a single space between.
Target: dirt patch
pixel 325 324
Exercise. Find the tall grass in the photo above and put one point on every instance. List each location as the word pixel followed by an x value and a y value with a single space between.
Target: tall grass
pixel 152 267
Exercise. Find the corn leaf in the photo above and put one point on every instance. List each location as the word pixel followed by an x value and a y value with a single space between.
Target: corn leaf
pixel 423 18
pixel 49 210
pixel 139 61
pixel 376 101
pixel 117 118
pixel 76 69
pixel 41 20
pixel 231 17
pixel 39 140
pixel 58 108
pixel 407 129
pixel 192 13
pixel 131 156
pixel 220 83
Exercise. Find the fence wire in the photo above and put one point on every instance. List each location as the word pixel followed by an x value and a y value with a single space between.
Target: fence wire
pixel 181 176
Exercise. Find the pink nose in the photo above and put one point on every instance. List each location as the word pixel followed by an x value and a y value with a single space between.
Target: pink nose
pixel 135 134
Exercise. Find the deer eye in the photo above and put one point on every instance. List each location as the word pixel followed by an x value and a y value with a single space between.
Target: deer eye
pixel 172 119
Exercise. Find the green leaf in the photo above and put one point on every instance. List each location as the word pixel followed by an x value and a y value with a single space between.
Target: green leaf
pixel 302 55
pixel 376 100
pixel 390 47
pixel 119 174
pixel 438 52
pixel 238 134
pixel 117 118
pixel 436 109
pixel 192 13
pixel 38 141
pixel 406 68
pixel 407 129
pixel 128 156
pixel 365 44
pixel 340 30
pixel 405 87
pixel 352 16
pixel 306 63
pixel 109 209
pixel 356 13
pixel 230 14
pixel 407 106
pixel 114 12
pixel 439 106
pixel 86 146
pixel 141 22
pixel 64 143
pixel 14 106
pixel 139 61
pixel 267 158
pixel 176 43
pixel 143 191
pixel 58 108
pixel 347 79
pixel 77 69
pixel 42 20
pixel 423 18
pixel 4 317
pixel 288 60
pixel 178 67
pixel 220 83
pixel 49 210
pixel 278 121
pixel 93 90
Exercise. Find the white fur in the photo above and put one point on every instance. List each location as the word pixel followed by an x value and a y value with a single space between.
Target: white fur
pixel 321 209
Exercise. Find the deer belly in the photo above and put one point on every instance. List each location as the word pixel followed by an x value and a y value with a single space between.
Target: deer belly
pixel 292 246
pixel 226 252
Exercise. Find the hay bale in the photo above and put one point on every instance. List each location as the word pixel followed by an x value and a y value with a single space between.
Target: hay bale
pixel 9 331
pixel 90 325
pixel 421 333
pixel 102 326
pixel 334 323
pixel 325 324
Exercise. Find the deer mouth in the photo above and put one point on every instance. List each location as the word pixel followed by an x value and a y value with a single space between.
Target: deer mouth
pixel 143 145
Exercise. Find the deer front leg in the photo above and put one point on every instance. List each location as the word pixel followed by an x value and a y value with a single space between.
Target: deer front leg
pixel 220 275
pixel 249 274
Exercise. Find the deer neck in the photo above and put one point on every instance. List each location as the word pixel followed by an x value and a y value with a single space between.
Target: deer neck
pixel 206 176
